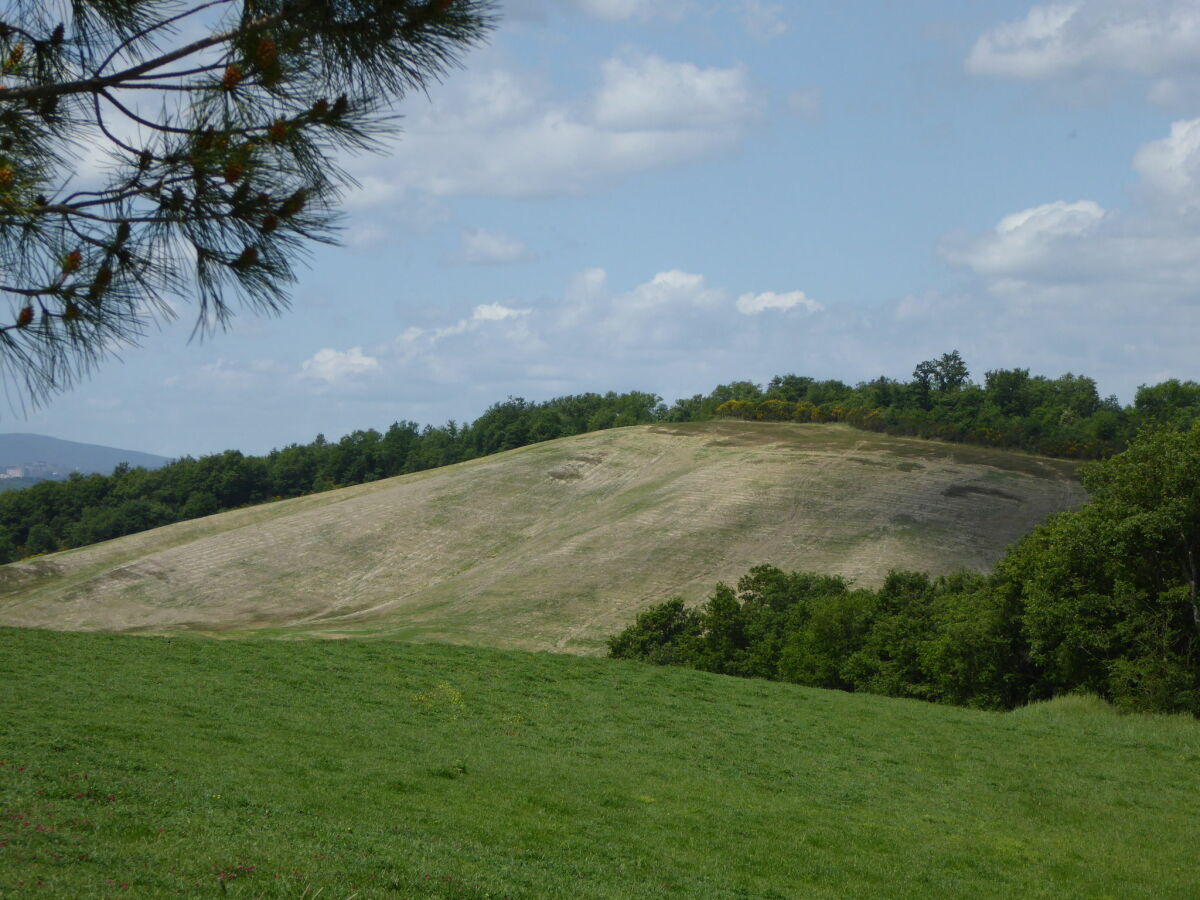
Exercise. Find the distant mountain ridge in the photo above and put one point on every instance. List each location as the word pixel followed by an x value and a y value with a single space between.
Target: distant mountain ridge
pixel 38 456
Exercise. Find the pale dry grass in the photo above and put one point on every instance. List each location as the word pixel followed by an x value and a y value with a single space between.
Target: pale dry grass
pixel 556 545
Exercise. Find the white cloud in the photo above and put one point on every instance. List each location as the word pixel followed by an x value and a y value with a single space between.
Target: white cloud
pixel 1147 37
pixel 1170 168
pixel 491 248
pixel 677 334
pixel 667 289
pixel 673 329
pixel 335 366
pixel 496 312
pixel 651 94
pixel 491 133
pixel 1140 257
pixel 763 19
pixel 1025 240
pixel 481 315
pixel 753 304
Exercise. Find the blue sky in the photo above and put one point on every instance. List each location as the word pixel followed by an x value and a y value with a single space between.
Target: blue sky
pixel 665 195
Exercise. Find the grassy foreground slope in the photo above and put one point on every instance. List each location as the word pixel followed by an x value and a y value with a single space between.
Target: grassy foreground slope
pixel 137 766
pixel 555 545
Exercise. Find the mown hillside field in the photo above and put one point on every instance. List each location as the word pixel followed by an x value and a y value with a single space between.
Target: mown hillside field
pixel 153 767
pixel 555 545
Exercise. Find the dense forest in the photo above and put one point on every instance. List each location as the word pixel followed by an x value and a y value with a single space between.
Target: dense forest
pixel 1062 416
pixel 1104 599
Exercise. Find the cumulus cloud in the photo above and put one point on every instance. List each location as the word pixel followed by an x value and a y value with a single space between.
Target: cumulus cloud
pixel 1147 37
pixel 491 248
pixel 336 366
pixel 651 94
pixel 481 315
pixel 497 312
pixel 1026 240
pixel 1063 249
pixel 676 333
pixel 1170 168
pixel 753 304
pixel 1143 262
pixel 491 133
pixel 668 289
pixel 672 329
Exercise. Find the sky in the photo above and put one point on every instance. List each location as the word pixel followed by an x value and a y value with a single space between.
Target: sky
pixel 667 195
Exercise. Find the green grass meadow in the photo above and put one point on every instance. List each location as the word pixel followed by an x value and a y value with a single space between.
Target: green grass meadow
pixel 136 766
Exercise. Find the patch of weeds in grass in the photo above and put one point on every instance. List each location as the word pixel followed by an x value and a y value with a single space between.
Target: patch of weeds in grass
pixel 456 768
pixel 442 699
pixel 512 722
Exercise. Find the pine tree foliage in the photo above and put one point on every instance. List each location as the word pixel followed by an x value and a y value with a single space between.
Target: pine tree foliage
pixel 222 123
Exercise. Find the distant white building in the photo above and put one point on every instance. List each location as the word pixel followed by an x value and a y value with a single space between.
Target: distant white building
pixel 32 470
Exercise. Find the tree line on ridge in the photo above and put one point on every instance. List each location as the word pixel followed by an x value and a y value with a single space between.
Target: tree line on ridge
pixel 1062 416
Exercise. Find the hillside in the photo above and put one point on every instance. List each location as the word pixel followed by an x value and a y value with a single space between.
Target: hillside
pixel 555 545
pixel 147 767
pixel 59 457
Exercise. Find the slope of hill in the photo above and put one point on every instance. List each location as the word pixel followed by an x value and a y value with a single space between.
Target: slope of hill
pixel 35 451
pixel 146 767
pixel 555 545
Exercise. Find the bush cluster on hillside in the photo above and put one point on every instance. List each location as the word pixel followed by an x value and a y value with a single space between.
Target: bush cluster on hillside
pixel 1103 599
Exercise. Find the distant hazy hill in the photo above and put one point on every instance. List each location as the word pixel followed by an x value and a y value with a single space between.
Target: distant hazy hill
pixel 555 545
pixel 47 457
